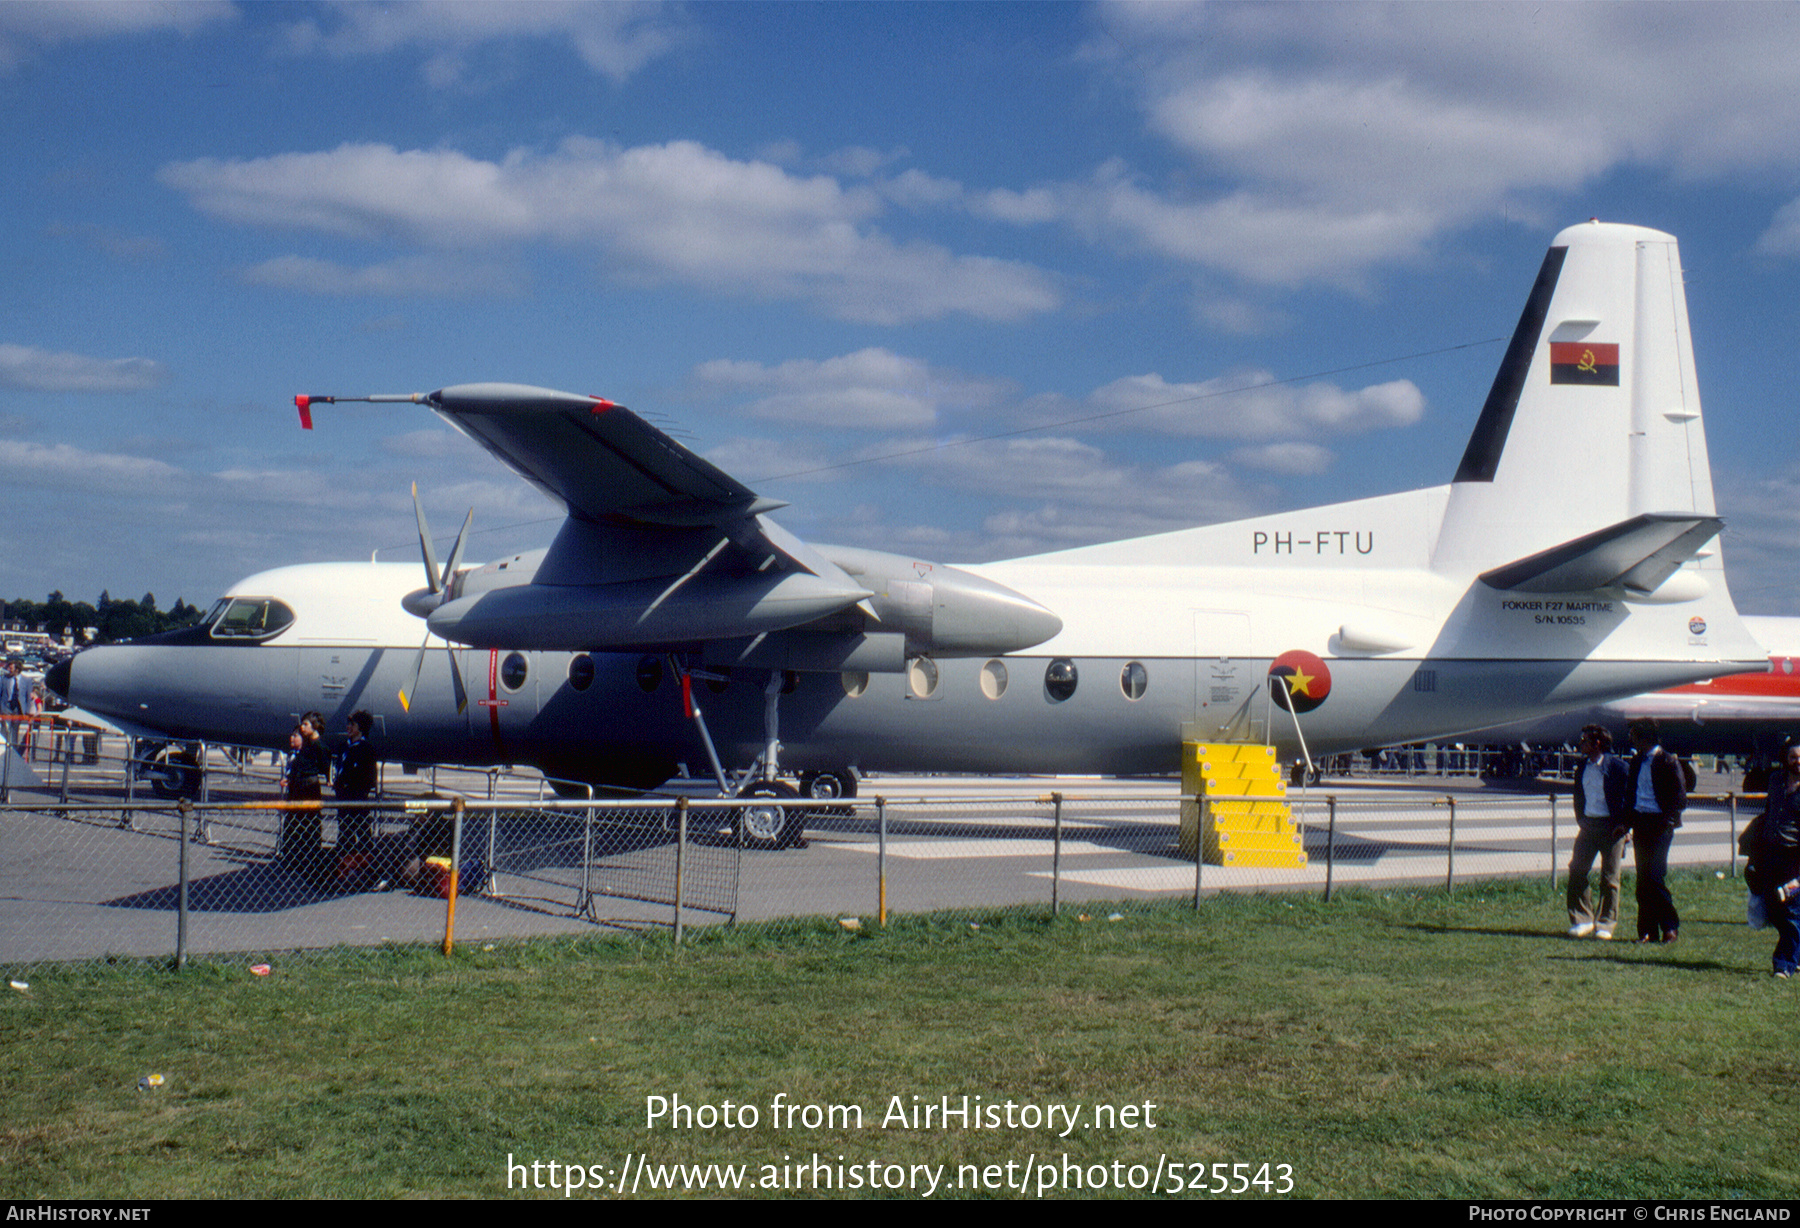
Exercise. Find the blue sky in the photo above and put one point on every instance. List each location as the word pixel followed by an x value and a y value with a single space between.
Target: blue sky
pixel 808 235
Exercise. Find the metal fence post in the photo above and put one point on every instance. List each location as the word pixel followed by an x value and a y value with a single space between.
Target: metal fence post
pixel 681 817
pixel 1553 846
pixel 181 898
pixel 881 859
pixel 1330 841
pixel 1450 849
pixel 1202 810
pixel 131 754
pixel 456 832
pixel 1056 801
pixel 1732 850
pixel 67 747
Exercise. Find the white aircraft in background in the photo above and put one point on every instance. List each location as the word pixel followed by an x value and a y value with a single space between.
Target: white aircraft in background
pixel 1566 564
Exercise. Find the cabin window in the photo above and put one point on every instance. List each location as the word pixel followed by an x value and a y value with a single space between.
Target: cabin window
pixel 922 677
pixel 514 670
pixel 581 671
pixel 993 679
pixel 1060 679
pixel 1134 679
pixel 649 674
pixel 252 618
pixel 855 683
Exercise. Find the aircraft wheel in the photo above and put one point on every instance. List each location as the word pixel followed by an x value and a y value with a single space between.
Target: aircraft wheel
pixel 770 824
pixel 824 786
pixel 174 772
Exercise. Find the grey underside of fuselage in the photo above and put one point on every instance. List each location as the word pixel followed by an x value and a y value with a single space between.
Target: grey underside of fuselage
pixel 225 695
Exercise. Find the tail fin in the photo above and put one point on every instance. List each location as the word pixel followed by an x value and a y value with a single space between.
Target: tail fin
pixel 1594 417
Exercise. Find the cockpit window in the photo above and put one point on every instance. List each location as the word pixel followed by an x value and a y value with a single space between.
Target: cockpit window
pixel 252 618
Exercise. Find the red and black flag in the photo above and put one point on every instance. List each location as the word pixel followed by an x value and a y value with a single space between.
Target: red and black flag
pixel 1299 681
pixel 1583 362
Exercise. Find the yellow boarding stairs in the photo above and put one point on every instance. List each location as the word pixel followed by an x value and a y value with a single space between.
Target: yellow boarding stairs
pixel 1242 817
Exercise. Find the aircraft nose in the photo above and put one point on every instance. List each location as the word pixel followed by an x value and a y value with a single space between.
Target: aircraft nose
pixel 57 677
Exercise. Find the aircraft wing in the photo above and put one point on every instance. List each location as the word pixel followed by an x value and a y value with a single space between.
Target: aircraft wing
pixel 662 548
pixel 597 458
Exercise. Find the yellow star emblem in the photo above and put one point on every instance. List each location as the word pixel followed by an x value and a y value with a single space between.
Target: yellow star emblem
pixel 1298 682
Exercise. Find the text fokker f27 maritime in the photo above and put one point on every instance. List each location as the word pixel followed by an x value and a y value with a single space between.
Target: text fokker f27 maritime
pixel 1566 564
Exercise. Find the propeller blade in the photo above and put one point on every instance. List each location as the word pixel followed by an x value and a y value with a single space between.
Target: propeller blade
pixel 411 690
pixel 456 681
pixel 456 552
pixel 431 568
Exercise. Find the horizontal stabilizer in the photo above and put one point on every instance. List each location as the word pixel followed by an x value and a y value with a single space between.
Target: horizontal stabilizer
pixel 1637 554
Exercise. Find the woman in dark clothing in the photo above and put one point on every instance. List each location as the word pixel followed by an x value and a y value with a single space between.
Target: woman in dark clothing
pixel 1776 859
pixel 302 831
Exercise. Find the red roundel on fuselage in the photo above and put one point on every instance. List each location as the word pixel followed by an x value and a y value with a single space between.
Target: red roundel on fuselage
pixel 1303 676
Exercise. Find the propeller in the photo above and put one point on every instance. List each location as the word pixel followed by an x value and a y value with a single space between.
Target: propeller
pixel 421 602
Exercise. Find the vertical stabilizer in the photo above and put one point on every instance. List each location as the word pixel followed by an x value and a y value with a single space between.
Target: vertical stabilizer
pixel 1594 416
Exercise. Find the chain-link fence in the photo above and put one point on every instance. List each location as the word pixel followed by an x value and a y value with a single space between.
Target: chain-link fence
pixel 129 878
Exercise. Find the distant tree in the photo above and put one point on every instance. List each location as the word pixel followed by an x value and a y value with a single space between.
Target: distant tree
pixel 116 620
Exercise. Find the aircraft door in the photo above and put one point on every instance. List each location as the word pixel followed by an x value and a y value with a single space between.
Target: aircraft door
pixel 1225 679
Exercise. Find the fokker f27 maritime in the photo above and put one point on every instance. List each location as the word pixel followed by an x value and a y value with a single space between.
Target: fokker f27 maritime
pixel 1567 563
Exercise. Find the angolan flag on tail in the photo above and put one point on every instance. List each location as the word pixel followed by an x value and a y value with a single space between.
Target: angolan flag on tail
pixel 1578 362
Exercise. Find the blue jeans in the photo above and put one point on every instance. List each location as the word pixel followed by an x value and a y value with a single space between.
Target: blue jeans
pixel 1785 917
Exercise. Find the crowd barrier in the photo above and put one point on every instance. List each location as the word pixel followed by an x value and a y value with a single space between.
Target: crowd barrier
pixel 137 879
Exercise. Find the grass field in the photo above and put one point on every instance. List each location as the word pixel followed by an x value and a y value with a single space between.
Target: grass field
pixel 1408 1044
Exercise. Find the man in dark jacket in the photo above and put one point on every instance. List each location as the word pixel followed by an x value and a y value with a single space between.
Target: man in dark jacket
pixel 1603 824
pixel 1775 858
pixel 356 783
pixel 1658 796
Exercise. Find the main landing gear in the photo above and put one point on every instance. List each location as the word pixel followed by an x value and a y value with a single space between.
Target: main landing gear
pixel 768 822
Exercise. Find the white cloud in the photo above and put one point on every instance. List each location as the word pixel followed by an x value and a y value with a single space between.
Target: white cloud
pixel 121 245
pixel 676 212
pixel 1782 238
pixel 1343 137
pixel 23 366
pixel 753 460
pixel 1291 457
pixel 432 444
pixel 26 25
pixel 871 389
pixel 614 39
pixel 1236 316
pixel 64 465
pixel 405 276
pixel 859 161
pixel 1254 406
pixel 1074 494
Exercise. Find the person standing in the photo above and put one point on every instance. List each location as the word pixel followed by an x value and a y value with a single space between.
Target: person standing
pixel 15 704
pixel 356 783
pixel 1658 796
pixel 1602 810
pixel 302 831
pixel 1775 858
